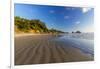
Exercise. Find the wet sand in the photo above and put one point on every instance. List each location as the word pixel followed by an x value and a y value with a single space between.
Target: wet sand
pixel 41 49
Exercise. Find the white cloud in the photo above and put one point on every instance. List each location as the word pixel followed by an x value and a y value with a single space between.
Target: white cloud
pixel 66 17
pixel 84 10
pixel 71 8
pixel 78 22
pixel 52 11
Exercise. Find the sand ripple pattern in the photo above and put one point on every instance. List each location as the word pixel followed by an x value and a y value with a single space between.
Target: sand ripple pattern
pixel 41 49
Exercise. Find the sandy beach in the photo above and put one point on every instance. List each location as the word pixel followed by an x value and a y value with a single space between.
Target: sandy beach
pixel 41 49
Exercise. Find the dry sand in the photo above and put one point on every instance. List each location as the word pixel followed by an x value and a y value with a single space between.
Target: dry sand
pixel 40 49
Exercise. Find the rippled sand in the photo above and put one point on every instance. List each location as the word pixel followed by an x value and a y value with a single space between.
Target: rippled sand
pixel 40 49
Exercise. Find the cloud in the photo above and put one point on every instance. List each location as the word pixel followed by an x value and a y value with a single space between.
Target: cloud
pixel 78 22
pixel 52 11
pixel 84 10
pixel 66 17
pixel 69 8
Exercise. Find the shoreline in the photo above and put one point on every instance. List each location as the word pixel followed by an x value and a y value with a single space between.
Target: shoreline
pixel 87 36
pixel 28 34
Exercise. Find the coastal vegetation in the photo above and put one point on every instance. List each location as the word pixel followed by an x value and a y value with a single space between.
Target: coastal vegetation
pixel 23 25
pixel 76 32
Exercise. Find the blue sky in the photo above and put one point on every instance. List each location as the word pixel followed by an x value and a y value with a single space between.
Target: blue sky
pixel 62 18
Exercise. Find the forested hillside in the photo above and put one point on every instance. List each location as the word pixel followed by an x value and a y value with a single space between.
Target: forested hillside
pixel 32 26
